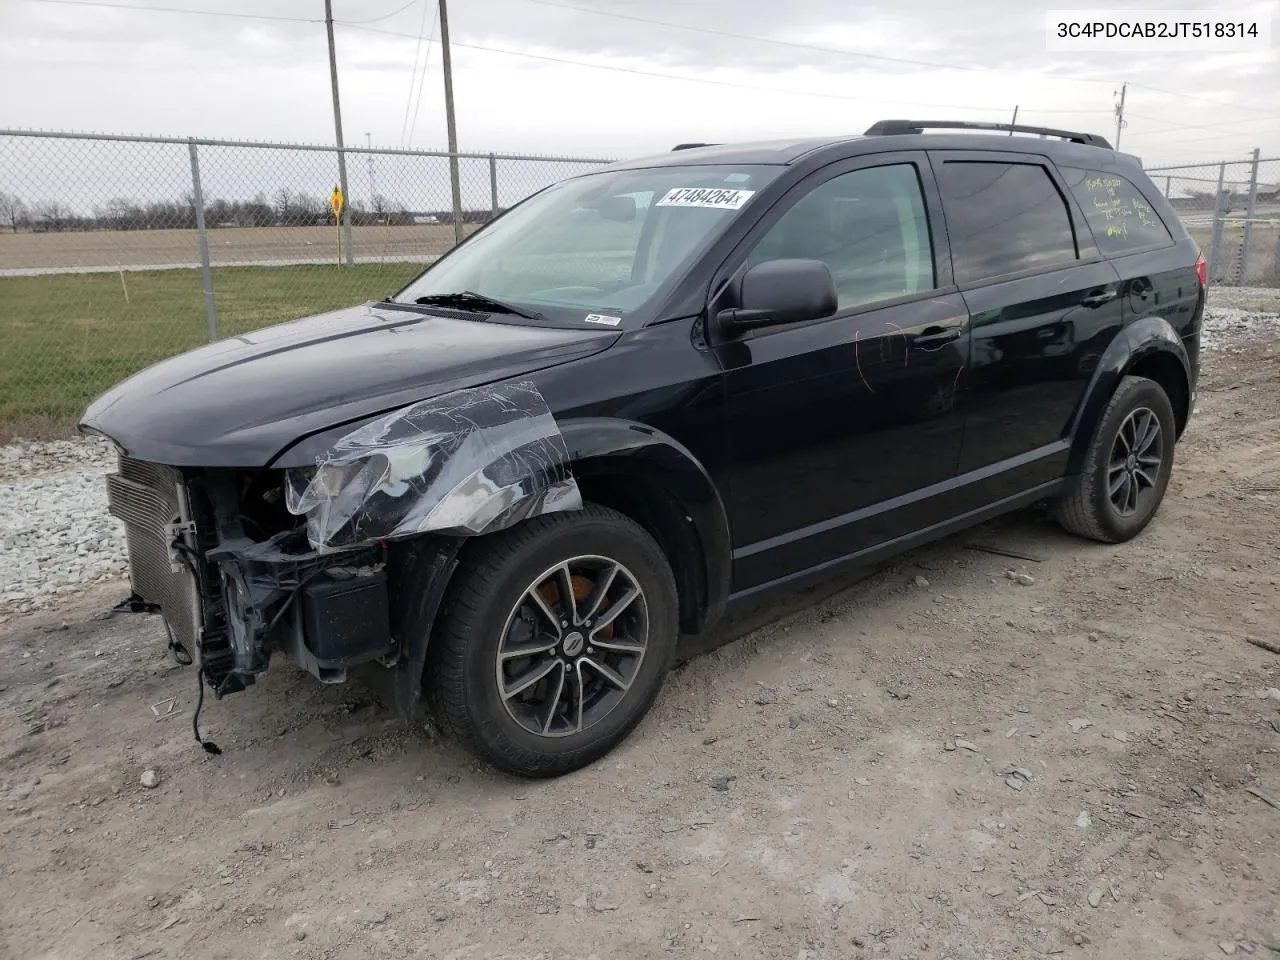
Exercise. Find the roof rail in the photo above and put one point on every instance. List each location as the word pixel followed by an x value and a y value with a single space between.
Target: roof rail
pixel 886 128
pixel 691 146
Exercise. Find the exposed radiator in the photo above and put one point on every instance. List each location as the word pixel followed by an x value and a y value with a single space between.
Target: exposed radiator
pixel 145 497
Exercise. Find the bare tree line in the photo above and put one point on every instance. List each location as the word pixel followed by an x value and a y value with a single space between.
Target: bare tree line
pixel 285 208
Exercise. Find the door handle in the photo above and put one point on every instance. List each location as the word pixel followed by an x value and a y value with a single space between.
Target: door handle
pixel 936 337
pixel 1098 299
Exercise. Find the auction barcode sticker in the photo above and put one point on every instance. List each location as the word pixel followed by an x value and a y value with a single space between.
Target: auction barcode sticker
pixel 717 197
pixel 1152 31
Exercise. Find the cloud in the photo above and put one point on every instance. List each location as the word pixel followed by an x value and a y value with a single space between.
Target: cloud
pixel 83 67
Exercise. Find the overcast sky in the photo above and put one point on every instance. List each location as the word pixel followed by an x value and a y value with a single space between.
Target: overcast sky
pixel 81 67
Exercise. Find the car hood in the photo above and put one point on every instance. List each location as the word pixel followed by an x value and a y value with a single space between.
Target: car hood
pixel 241 401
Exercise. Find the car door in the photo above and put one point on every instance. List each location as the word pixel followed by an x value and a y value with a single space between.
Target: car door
pixel 840 428
pixel 1158 278
pixel 1043 305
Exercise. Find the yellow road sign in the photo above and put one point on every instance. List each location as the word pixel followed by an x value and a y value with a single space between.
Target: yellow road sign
pixel 335 204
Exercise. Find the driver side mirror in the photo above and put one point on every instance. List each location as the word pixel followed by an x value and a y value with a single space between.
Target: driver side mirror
pixel 779 292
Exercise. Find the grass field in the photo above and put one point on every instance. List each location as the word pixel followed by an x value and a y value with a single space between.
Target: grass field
pixel 64 339
pixel 227 247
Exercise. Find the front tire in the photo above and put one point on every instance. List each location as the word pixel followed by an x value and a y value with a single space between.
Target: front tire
pixel 1127 466
pixel 554 642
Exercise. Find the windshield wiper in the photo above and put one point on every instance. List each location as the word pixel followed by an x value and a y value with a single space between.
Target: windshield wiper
pixel 469 300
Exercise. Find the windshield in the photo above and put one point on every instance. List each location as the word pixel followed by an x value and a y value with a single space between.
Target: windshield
pixel 596 248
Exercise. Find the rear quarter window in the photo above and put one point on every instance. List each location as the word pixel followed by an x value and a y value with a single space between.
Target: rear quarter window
pixel 1118 214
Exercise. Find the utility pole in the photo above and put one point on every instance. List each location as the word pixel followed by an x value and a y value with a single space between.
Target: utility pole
pixel 337 133
pixel 455 181
pixel 1014 122
pixel 1120 113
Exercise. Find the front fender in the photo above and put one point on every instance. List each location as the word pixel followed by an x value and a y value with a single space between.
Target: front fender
pixel 1143 338
pixel 605 447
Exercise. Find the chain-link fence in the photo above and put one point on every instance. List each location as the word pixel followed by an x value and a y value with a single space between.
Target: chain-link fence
pixel 116 252
pixel 1233 211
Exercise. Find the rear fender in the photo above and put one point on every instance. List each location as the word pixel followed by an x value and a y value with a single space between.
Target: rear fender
pixel 1143 339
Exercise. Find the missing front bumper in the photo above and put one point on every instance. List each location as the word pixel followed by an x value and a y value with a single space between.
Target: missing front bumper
pixel 231 602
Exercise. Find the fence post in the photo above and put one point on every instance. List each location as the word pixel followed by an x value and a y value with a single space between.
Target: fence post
pixel 493 185
pixel 455 191
pixel 348 254
pixel 205 276
pixel 1250 210
pixel 1215 244
pixel 1168 186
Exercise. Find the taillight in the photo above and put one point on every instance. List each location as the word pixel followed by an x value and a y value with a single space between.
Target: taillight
pixel 1202 271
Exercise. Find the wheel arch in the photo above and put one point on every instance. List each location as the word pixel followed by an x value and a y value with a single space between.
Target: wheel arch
pixel 657 482
pixel 632 468
pixel 1149 347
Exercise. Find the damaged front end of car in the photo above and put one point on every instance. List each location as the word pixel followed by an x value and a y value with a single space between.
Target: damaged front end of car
pixel 247 563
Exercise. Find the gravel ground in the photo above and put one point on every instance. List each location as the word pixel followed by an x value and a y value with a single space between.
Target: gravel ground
pixel 56 535
pixel 938 760
pixel 1239 317
pixel 934 761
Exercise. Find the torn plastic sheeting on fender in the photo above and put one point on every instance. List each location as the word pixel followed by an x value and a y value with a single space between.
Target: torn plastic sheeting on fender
pixel 467 463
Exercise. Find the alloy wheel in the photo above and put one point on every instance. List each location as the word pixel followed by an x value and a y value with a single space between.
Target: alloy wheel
pixel 1137 456
pixel 572 646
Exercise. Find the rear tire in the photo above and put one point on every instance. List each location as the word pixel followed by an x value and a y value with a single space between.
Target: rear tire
pixel 538 688
pixel 1126 468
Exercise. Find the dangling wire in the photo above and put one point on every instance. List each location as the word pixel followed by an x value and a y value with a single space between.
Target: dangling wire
pixel 209 745
pixel 174 647
pixel 176 650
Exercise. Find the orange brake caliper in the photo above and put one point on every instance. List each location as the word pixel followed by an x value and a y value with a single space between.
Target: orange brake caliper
pixel 582 587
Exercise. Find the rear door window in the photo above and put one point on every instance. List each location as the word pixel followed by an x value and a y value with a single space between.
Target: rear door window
pixel 1004 218
pixel 1118 214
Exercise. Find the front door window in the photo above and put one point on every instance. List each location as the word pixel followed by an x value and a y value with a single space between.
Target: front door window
pixel 869 227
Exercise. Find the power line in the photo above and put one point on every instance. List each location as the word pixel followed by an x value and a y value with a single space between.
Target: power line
pixel 362 25
pixel 435 22
pixel 1161 141
pixel 1198 126
pixel 388 16
pixel 1192 96
pixel 413 74
pixel 151 9
pixel 707 80
pixel 871 56
pixel 804 46
pixel 1213 158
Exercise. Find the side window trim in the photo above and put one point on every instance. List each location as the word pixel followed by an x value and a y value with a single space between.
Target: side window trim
pixel 732 266
pixel 1086 247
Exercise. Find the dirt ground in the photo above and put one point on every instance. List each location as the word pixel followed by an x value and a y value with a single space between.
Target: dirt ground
pixel 831 784
pixel 227 246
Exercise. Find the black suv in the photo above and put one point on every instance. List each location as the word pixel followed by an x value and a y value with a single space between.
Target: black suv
pixel 646 396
